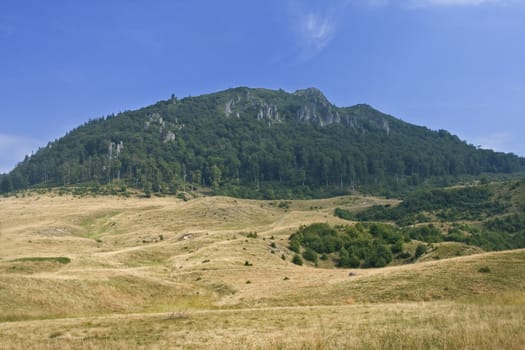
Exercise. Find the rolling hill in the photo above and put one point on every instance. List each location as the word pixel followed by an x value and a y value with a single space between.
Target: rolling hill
pixel 135 270
pixel 120 273
pixel 255 143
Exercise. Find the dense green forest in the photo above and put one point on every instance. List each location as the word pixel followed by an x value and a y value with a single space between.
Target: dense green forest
pixel 361 245
pixel 490 216
pixel 467 203
pixel 376 244
pixel 255 143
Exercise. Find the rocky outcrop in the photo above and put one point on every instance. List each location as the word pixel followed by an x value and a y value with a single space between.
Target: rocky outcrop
pixel 317 108
pixel 306 105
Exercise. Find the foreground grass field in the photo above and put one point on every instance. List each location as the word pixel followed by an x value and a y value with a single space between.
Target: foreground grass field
pixel 110 272
pixel 428 325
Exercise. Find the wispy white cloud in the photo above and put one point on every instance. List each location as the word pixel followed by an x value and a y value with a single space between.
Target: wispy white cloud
pixel 318 30
pixel 13 149
pixel 315 28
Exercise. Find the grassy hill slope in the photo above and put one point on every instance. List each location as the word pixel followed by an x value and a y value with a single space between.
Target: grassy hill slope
pixel 111 272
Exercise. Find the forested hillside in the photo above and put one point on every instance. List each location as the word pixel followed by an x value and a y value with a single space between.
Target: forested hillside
pixel 490 216
pixel 254 143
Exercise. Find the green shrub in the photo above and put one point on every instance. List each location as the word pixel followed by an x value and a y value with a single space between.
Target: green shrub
pixel 60 259
pixel 380 255
pixel 310 255
pixel 295 245
pixel 284 205
pixel 420 250
pixel 297 260
pixel 344 214
pixel 404 255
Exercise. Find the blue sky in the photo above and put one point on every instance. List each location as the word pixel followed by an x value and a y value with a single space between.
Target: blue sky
pixel 457 65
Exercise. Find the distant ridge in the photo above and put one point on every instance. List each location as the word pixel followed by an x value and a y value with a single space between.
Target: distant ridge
pixel 255 143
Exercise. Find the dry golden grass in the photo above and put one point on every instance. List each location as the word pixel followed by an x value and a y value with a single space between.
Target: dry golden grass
pixel 445 250
pixel 163 273
pixel 431 325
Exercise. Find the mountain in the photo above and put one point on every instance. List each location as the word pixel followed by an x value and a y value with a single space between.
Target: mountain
pixel 254 143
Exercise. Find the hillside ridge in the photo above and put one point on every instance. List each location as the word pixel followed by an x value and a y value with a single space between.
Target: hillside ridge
pixel 256 143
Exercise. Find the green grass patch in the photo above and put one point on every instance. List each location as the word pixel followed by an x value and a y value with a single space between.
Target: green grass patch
pixel 99 223
pixel 59 259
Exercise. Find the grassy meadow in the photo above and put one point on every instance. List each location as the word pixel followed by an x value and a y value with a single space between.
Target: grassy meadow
pixel 216 273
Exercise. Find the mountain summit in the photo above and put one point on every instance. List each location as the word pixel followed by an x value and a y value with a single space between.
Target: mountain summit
pixel 255 143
